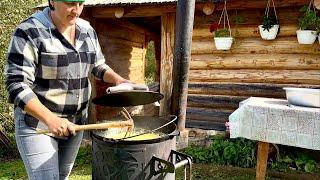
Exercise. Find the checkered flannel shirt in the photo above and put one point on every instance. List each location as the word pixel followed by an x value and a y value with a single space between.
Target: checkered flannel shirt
pixel 42 63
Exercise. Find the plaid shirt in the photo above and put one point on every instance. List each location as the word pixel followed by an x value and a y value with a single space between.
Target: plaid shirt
pixel 43 64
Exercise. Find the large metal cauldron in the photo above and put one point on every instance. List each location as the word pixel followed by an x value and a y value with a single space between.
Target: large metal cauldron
pixel 128 160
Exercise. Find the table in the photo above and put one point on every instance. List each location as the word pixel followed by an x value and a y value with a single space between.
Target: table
pixel 269 120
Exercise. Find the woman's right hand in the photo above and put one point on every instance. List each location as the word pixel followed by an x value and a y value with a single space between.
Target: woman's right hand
pixel 58 126
pixel 61 126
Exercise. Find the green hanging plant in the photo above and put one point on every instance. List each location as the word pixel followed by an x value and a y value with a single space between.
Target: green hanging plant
pixel 268 22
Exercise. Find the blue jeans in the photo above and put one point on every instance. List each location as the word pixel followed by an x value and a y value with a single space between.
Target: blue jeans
pixel 45 157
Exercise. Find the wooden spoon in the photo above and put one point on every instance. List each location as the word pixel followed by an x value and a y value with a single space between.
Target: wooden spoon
pixel 101 126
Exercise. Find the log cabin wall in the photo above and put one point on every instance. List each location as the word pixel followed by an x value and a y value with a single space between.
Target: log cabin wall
pixel 124 47
pixel 219 80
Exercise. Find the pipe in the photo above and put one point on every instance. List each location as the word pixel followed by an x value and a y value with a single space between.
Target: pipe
pixel 184 27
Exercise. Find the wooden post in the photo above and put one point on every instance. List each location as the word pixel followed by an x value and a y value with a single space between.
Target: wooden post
pixel 317 4
pixel 182 57
pixel 167 48
pixel 262 157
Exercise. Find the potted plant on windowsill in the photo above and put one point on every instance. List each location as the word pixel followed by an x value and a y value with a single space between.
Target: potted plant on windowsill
pixel 270 25
pixel 222 37
pixel 308 24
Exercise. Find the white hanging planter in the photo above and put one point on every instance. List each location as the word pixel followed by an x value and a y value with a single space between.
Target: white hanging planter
pixel 306 36
pixel 319 38
pixel 269 35
pixel 223 43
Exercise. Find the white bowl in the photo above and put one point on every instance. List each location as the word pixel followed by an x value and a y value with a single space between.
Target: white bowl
pixel 303 96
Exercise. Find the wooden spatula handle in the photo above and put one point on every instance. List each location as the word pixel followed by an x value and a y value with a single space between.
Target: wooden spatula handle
pixel 96 126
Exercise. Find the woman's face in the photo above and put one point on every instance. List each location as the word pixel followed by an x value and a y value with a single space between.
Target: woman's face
pixel 67 12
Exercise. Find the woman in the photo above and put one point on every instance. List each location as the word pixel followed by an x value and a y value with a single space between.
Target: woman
pixel 50 57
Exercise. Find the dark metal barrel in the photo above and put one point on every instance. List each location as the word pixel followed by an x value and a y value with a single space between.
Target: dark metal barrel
pixel 132 159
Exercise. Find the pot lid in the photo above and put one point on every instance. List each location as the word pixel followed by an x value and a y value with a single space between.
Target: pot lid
pixel 127 98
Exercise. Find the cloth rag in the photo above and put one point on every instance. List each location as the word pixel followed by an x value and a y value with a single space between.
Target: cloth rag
pixel 127 87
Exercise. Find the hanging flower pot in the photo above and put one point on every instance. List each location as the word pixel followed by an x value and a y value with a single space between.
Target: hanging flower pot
pixel 223 43
pixel 308 24
pixel 306 36
pixel 269 34
pixel 222 37
pixel 270 26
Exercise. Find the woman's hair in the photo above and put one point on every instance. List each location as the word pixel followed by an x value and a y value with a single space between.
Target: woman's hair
pixel 50 5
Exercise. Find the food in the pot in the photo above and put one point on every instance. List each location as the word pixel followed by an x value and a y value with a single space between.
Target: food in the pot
pixel 147 136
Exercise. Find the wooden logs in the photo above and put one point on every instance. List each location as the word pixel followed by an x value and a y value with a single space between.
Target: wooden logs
pixel 255 61
pixel 242 89
pixel 218 115
pixel 262 157
pixel 317 4
pixel 288 45
pixel 244 31
pixel 257 76
pixel 215 101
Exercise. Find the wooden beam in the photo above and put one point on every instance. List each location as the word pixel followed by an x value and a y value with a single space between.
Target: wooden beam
pixel 255 61
pixel 257 76
pixel 182 57
pixel 262 157
pixel 215 101
pixel 167 49
pixel 250 17
pixel 254 4
pixel 244 31
pixel 256 46
pixel 243 89
pixel 161 9
pixel 204 124
pixel 208 114
pixel 317 4
pixel 134 11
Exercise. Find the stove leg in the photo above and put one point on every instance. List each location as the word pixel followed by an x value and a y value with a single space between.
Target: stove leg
pixel 168 168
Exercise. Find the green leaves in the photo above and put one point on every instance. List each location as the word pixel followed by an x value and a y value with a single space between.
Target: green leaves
pixel 12 12
pixel 240 152
pixel 222 33
pixel 236 152
pixel 309 20
pixel 268 22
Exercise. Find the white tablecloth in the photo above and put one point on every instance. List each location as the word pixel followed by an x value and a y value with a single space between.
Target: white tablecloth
pixel 274 121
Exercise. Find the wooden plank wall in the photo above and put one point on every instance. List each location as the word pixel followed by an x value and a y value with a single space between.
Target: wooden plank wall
pixel 219 80
pixel 124 47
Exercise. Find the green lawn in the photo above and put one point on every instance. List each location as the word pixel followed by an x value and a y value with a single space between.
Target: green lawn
pixel 14 169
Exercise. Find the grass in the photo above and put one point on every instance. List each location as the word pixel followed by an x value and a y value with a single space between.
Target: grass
pixel 199 171
pixel 82 170
pixel 14 169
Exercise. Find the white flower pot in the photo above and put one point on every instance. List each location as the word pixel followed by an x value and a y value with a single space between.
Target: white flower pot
pixel 223 43
pixel 319 38
pixel 306 36
pixel 269 35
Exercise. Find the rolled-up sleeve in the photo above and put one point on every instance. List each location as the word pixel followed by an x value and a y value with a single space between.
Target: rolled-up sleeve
pixel 100 67
pixel 20 68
